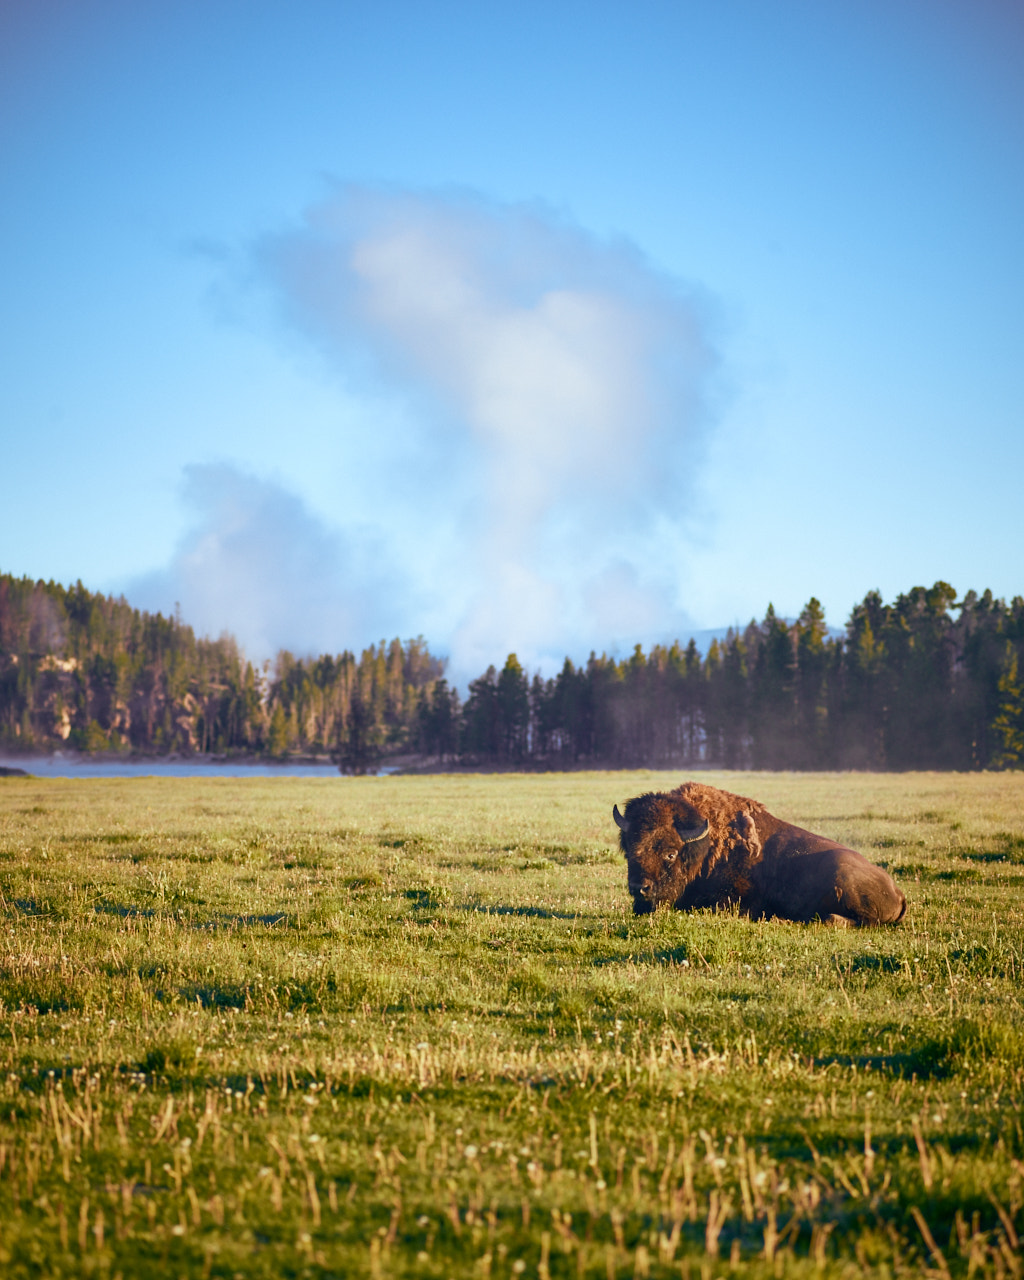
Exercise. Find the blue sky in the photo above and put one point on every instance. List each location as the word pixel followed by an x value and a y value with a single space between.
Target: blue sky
pixel 536 328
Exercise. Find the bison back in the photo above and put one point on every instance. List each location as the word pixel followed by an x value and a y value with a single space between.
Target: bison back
pixel 803 877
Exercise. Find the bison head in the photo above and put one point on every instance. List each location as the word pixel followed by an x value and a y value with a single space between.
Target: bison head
pixel 664 842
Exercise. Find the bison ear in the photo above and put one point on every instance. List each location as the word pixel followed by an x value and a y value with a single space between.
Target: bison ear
pixel 620 821
pixel 746 829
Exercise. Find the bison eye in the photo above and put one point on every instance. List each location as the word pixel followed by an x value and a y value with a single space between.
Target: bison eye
pixel 671 856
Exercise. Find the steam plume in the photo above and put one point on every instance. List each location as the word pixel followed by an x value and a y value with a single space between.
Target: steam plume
pixel 560 384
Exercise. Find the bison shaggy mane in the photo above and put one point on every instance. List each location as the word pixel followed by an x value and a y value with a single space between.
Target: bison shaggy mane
pixel 699 846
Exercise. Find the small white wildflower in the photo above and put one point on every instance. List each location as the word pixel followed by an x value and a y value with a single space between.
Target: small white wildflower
pixel 470 1152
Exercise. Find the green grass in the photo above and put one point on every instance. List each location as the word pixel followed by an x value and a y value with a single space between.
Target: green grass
pixel 410 1027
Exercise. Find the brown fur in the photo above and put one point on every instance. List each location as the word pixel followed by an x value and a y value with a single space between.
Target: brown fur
pixel 749 858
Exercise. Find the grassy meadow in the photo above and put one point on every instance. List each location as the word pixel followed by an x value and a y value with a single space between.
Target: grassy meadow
pixel 410 1027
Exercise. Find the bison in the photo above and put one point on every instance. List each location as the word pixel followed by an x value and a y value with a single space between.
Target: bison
pixel 698 846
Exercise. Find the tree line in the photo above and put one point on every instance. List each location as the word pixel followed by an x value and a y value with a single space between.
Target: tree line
pixel 922 683
pixel 89 672
pixel 925 682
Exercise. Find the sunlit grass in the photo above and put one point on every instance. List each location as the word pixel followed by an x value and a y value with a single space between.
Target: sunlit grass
pixel 409 1026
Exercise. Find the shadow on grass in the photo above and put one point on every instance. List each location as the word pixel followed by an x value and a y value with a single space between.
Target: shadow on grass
pixel 930 1061
pixel 294 994
pixel 45 993
pixel 125 912
pixel 30 907
pixel 684 956
pixel 209 996
pixel 876 964
pixel 103 837
pixel 1013 845
pixel 966 1045
pixel 539 913
pixel 120 910
pixel 269 920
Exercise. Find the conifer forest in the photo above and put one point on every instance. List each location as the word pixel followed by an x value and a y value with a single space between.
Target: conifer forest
pixel 928 681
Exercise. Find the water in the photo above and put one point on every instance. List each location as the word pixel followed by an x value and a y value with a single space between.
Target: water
pixel 62 766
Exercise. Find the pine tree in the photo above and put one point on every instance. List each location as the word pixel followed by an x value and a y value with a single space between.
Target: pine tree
pixel 692 704
pixel 277 740
pixel 772 698
pixel 733 702
pixel 812 654
pixel 1008 724
pixel 859 730
pixel 513 708
pixel 481 734
pixel 359 749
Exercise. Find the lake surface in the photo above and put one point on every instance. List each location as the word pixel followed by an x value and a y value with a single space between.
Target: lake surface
pixel 60 766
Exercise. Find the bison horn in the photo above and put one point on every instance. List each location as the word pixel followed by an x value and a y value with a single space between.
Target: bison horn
pixel 620 821
pixel 689 834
